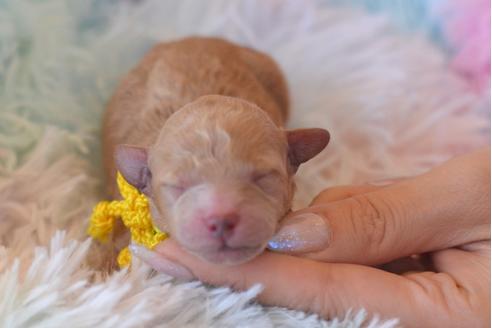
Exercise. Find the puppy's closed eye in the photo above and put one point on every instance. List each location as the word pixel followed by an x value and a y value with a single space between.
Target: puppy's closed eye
pixel 266 180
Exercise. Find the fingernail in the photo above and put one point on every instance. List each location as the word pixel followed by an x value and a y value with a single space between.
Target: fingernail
pixel 161 263
pixel 303 233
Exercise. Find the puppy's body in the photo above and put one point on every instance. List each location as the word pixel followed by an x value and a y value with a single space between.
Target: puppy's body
pixel 205 120
pixel 174 74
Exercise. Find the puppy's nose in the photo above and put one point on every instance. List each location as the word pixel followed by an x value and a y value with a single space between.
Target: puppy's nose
pixel 221 226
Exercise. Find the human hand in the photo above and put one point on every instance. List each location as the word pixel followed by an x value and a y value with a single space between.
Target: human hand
pixel 443 215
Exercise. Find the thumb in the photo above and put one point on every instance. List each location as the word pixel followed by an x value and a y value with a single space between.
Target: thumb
pixel 351 230
pixel 305 232
pixel 418 215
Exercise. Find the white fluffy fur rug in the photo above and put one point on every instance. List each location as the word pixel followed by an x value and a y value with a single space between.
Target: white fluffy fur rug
pixel 391 104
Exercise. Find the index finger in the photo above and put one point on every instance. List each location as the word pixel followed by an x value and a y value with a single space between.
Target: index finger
pixel 329 290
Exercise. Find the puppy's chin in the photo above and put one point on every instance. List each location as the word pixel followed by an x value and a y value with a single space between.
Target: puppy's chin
pixel 228 255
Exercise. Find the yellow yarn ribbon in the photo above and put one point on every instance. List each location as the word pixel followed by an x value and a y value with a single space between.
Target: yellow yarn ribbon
pixel 134 211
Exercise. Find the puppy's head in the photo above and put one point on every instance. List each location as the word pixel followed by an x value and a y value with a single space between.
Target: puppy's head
pixel 219 177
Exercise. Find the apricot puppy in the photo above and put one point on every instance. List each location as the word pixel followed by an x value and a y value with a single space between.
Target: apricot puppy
pixel 197 126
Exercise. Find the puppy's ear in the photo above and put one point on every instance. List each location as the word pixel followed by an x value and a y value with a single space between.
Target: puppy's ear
pixel 304 144
pixel 131 161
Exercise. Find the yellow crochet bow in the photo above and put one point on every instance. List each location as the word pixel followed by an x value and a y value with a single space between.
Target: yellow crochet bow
pixel 134 211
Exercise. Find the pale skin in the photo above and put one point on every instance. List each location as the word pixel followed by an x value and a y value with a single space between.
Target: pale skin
pixel 442 215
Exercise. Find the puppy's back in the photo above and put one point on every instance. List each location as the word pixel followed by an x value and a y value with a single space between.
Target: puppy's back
pixel 176 73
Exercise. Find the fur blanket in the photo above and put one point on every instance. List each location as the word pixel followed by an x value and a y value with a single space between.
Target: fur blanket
pixel 388 98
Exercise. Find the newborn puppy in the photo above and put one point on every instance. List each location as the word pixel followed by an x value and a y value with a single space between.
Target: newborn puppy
pixel 197 127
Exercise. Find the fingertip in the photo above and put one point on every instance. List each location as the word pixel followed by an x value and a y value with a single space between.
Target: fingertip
pixel 161 263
